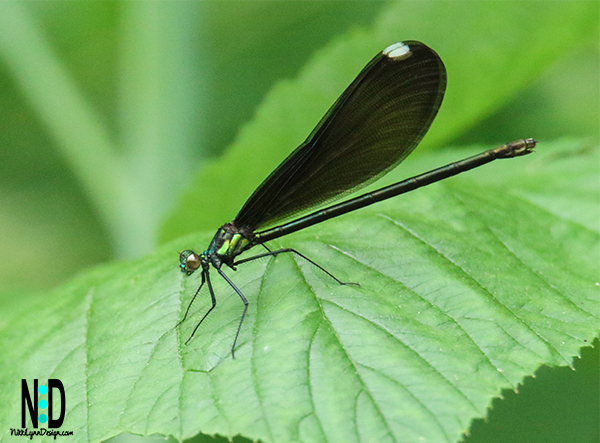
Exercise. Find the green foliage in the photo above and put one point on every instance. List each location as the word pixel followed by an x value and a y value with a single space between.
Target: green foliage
pixel 508 54
pixel 106 109
pixel 466 287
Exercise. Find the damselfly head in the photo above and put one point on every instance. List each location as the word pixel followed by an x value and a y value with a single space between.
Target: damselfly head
pixel 189 261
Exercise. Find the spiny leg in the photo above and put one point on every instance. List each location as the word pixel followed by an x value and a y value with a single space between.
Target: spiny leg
pixel 205 275
pixel 239 293
pixel 280 251
pixel 191 302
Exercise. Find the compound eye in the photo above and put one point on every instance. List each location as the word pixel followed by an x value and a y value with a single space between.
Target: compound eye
pixel 189 261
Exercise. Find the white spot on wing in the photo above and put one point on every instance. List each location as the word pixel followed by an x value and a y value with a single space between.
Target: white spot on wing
pixel 397 50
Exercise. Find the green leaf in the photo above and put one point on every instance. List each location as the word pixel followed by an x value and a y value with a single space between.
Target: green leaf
pixel 466 286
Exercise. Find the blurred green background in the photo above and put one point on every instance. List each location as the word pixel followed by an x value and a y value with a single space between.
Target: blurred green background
pixel 117 117
pixel 109 110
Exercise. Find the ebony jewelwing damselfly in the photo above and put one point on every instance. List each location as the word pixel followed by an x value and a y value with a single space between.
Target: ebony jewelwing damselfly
pixel 372 127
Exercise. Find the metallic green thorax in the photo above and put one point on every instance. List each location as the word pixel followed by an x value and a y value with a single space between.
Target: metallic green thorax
pixel 228 243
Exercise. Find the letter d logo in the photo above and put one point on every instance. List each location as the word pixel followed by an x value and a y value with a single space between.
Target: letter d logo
pixel 52 384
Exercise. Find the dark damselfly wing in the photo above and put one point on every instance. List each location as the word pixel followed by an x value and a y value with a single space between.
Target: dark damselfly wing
pixel 374 125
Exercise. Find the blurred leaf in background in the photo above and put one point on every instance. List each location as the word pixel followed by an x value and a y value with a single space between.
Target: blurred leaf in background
pixel 499 61
pixel 107 108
